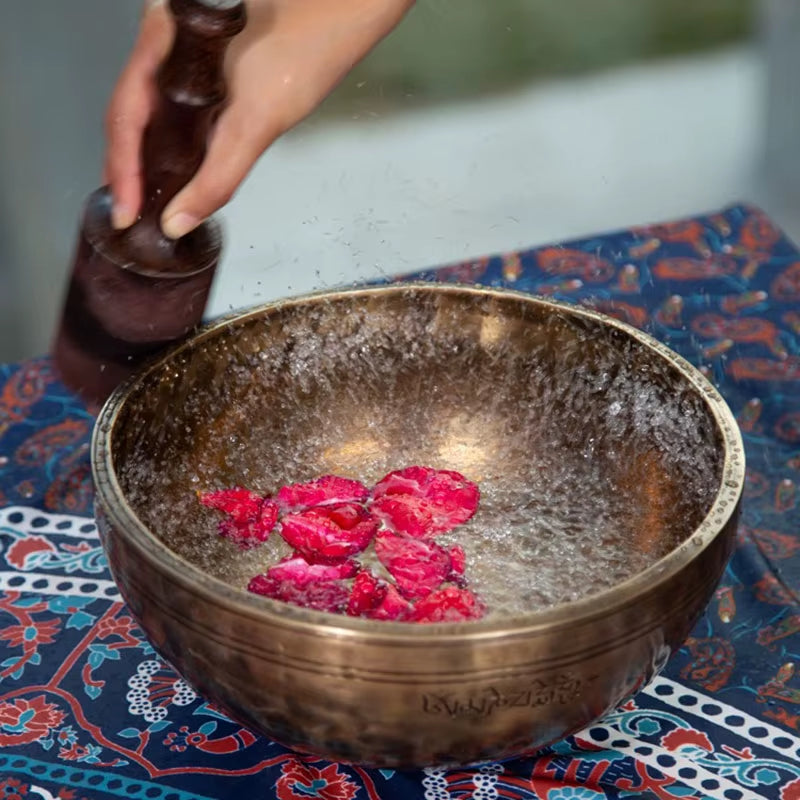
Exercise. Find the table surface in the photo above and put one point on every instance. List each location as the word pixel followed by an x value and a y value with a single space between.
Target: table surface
pixel 87 710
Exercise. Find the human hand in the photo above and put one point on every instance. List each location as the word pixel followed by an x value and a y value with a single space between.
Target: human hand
pixel 290 56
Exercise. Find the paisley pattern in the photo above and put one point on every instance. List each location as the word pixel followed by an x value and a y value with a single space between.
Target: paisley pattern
pixel 87 710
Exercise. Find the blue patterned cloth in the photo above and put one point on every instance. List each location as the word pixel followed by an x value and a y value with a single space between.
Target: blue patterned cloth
pixel 87 710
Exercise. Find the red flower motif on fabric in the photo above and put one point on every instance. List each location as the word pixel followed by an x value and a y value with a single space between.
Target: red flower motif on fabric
pixel 660 786
pixel 689 232
pixel 77 752
pixel 770 590
pixel 300 781
pixel 22 549
pixel 625 312
pixel 758 234
pixel 12 789
pixel 23 721
pixel 681 268
pixel 791 791
pixel 775 545
pixel 36 450
pixel 23 389
pixel 764 369
pixel 686 737
pixel 788 427
pixel 712 662
pixel 119 626
pixel 34 634
pixel 785 288
pixel 71 493
pixel 587 266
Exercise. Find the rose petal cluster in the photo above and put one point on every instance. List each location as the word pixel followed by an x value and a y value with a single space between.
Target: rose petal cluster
pixel 332 522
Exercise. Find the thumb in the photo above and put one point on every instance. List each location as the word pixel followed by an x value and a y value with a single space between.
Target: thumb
pixel 232 152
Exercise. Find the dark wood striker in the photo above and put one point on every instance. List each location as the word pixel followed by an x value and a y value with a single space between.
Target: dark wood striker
pixel 135 291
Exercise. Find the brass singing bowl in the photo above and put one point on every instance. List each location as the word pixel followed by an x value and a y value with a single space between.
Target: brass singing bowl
pixel 558 413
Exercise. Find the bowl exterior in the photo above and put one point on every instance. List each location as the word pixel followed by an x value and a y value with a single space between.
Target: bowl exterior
pixel 401 702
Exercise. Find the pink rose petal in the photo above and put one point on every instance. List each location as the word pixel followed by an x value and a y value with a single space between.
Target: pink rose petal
pixel 322 491
pixel 317 586
pixel 417 565
pixel 421 501
pixel 330 520
pixel 319 595
pixel 240 504
pixel 458 559
pixel 251 518
pixel 296 569
pixel 458 565
pixel 393 606
pixel 329 533
pixel 367 594
pixel 450 604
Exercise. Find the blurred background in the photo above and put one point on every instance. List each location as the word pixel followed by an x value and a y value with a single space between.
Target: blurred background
pixel 478 126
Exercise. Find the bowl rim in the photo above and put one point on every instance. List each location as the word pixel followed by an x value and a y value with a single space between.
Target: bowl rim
pixel 109 497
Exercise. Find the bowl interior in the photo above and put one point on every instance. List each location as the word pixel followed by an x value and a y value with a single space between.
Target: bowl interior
pixel 595 455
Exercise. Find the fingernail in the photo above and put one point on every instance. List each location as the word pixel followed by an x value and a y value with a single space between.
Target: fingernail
pixel 179 224
pixel 122 217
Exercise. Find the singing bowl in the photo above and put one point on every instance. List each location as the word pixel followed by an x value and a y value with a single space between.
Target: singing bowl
pixel 544 405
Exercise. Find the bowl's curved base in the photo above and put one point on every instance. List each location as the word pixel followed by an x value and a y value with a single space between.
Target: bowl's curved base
pixel 379 706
